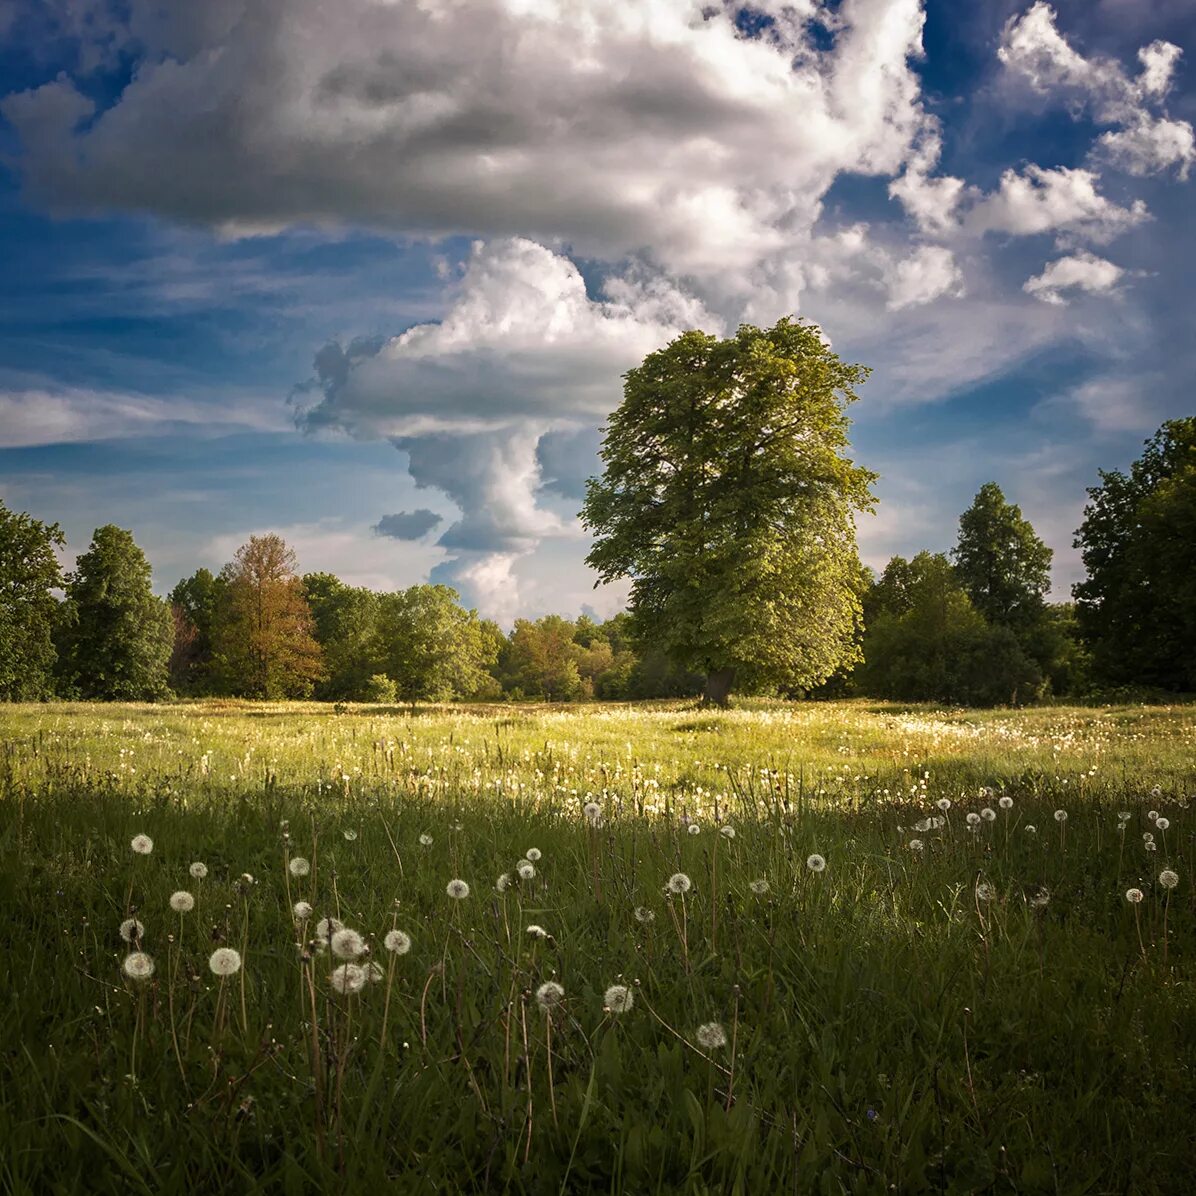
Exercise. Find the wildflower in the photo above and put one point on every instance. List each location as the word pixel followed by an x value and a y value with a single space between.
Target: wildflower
pixel 988 814
pixel 712 1036
pixel 678 883
pixel 985 891
pixel 457 889
pixel 1005 802
pixel 944 804
pixel 549 994
pixel 327 927
pixel 138 966
pixel 1162 823
pixel 224 961
pixel 142 844
pixel 182 902
pixel 816 863
pixel 397 941
pixel 347 944
pixel 131 929
pixel 1060 815
pixel 538 932
pixel 916 845
pixel 299 866
pixel 644 914
pixel 1133 896
pixel 349 978
pixel 526 869
pixel 693 829
pixel 533 854
pixel 593 812
pixel 503 883
pixel 727 832
pixel 198 870
pixel 759 887
pixel 1153 815
pixel 1168 879
pixel 350 834
pixel 973 818
pixel 425 840
pixel 302 911
pixel 618 999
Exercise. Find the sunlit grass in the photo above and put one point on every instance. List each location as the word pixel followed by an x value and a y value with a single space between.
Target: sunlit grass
pixel 984 1012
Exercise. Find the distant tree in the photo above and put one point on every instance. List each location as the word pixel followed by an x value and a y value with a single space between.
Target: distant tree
pixel 29 571
pixel 541 659
pixel 116 636
pixel 264 646
pixel 196 603
pixel 929 643
pixel 1137 606
pixel 434 650
pixel 1002 564
pixel 729 500
pixel 346 626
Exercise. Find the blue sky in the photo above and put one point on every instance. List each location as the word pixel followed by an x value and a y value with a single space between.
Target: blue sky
pixel 287 267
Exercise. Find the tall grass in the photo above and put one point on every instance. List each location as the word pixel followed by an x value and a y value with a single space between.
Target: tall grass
pixel 985 1013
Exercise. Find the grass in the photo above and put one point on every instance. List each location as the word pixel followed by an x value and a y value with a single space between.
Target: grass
pixel 909 1020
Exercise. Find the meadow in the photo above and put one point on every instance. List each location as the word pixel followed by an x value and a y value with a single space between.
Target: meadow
pixel 840 947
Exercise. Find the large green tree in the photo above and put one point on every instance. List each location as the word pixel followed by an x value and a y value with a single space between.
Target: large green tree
pixel 195 604
pixel 1137 606
pixel 264 646
pixel 346 626
pixel 29 572
pixel 1000 561
pixel 729 500
pixel 116 636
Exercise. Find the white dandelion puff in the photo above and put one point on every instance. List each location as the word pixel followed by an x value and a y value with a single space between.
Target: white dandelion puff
pixel 302 911
pixel 349 978
pixel 1153 815
pixel 712 1036
pixel 347 944
pixel 593 812
pixel 759 887
pixel 538 932
pixel 142 844
pixel 1162 823
pixel 1006 802
pixel 198 870
pixel 549 995
pixel 678 883
pixel 350 835
pixel 618 999
pixel 1168 878
pixel 224 961
pixel 973 819
pixel 182 902
pixel 425 840
pixel 727 832
pixel 327 927
pixel 1151 846
pixel 533 854
pixel 397 941
pixel 916 845
pixel 1133 896
pixel 816 863
pixel 1031 829
pixel 693 829
pixel 299 866
pixel 644 914
pixel 944 804
pixel 526 869
pixel 131 929
pixel 138 966
pixel 1060 815
pixel 985 891
pixel 988 814
pixel 503 883
pixel 457 889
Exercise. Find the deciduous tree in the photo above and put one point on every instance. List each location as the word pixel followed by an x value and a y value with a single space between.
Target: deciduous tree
pixel 29 572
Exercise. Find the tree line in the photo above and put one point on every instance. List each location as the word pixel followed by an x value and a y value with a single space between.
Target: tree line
pixel 728 500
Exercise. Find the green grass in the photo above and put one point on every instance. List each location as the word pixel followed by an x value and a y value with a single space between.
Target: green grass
pixel 889 1029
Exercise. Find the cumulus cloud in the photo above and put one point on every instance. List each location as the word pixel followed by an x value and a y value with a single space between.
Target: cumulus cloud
pixel 924 276
pixel 1076 272
pixel 408 525
pixel 1141 141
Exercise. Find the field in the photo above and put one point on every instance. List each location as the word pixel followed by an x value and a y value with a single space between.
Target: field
pixel 963 999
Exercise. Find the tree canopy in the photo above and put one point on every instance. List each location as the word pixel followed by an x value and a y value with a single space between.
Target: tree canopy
pixel 29 572
pixel 729 500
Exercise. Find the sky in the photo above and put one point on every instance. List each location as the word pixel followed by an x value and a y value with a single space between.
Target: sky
pixel 368 274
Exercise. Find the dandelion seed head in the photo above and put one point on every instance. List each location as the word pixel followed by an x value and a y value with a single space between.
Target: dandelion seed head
pixel 349 978
pixel 138 966
pixel 988 814
pixel 1060 815
pixel 457 889
pixel 198 870
pixel 1162 823
pixel 538 932
pixel 327 927
pixel 350 834
pixel 503 883
pixel 1168 878
pixel 678 883
pixel 693 829
pixel 533 854
pixel 425 840
pixel 224 961
pixel 1031 829
pixel 985 891
pixel 711 1036
pixel 593 812
pixel 347 943
pixel 644 914
pixel 302 911
pixel 182 902
pixel 916 845
pixel 618 999
pixel 816 863
pixel 131 929
pixel 1153 815
pixel 526 869
pixel 759 887
pixel 727 832
pixel 973 819
pixel 1151 846
pixel 142 844
pixel 549 995
pixel 1005 802
pixel 299 866
pixel 397 941
pixel 944 804
pixel 1134 896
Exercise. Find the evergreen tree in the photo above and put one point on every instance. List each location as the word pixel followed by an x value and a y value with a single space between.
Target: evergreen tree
pixel 116 636
pixel 29 571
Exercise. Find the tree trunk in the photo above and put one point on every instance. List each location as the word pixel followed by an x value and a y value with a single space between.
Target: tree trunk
pixel 718 688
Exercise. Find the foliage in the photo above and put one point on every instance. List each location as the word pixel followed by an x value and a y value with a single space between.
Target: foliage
pixel 927 642
pixel 1137 606
pixel 728 499
pixel 115 636
pixel 196 604
pixel 264 646
pixel 908 1020
pixel 29 572
pixel 346 626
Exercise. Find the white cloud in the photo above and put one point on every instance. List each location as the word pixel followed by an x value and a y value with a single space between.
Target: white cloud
pixel 928 273
pixel 1076 272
